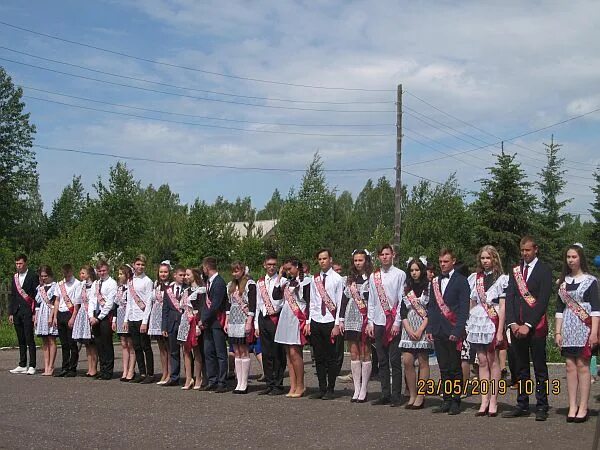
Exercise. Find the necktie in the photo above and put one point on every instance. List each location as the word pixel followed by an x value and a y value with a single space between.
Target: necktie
pixel 525 271
pixel 97 302
pixel 323 308
pixel 177 294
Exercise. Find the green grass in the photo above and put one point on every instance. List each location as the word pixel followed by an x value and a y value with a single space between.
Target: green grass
pixel 8 337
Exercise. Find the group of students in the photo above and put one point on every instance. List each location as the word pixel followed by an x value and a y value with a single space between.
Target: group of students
pixel 194 312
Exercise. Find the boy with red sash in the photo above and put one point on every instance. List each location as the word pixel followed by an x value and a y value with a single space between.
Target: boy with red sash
pixel 137 315
pixel 171 318
pixel 21 312
pixel 527 296
pixel 69 289
pixel 386 285
pixel 448 312
pixel 268 306
pixel 212 320
pixel 102 299
pixel 326 289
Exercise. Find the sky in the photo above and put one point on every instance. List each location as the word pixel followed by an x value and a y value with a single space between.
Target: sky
pixel 266 84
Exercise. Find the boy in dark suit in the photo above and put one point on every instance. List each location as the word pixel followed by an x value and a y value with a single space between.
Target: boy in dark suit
pixel 20 313
pixel 448 310
pixel 527 296
pixel 212 319
pixel 171 317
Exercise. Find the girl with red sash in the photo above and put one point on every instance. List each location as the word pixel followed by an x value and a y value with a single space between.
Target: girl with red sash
pixel 353 322
pixel 189 333
pixel 577 312
pixel 44 320
pixel 413 342
pixel 163 279
pixel 125 274
pixel 239 321
pixel 485 326
pixel 293 319
pixel 82 331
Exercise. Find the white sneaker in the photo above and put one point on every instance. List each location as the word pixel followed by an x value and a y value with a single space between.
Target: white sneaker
pixel 345 378
pixel 19 369
pixel 31 371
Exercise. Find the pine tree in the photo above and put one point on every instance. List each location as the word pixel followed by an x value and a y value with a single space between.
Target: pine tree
pixel 504 208
pixel 595 211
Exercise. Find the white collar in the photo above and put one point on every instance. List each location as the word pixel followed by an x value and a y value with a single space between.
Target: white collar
pixel 211 279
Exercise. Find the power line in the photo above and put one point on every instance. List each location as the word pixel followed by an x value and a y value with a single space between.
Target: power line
pixel 120 105
pixel 114 83
pixel 206 91
pixel 208 72
pixel 222 127
pixel 193 164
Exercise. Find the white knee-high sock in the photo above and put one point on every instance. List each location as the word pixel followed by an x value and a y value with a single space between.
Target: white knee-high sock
pixel 366 375
pixel 238 373
pixel 245 362
pixel 355 367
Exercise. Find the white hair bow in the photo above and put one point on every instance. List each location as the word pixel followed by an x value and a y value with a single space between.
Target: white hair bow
pixel 578 244
pixel 166 262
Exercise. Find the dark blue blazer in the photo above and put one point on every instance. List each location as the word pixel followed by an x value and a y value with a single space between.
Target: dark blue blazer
pixel 457 298
pixel 170 315
pixel 217 293
pixel 17 303
pixel 539 285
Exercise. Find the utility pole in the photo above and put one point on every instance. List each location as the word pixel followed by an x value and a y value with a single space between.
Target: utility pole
pixel 398 190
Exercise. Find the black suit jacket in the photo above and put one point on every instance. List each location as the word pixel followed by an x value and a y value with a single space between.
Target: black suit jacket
pixel 171 316
pixel 217 294
pixel 457 297
pixel 539 285
pixel 18 303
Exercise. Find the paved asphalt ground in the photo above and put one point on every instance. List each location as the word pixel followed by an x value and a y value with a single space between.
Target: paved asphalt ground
pixel 45 412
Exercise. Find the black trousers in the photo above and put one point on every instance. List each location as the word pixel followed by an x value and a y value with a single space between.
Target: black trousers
pixel 273 354
pixel 339 349
pixel 390 364
pixel 174 354
pixel 215 354
pixel 450 368
pixel 326 354
pixel 23 323
pixel 102 332
pixel 523 348
pixel 512 363
pixel 69 350
pixel 143 349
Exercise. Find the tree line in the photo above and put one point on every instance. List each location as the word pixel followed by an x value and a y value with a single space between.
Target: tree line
pixel 121 216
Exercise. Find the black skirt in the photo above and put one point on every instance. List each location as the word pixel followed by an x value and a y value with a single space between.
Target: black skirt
pixel 571 352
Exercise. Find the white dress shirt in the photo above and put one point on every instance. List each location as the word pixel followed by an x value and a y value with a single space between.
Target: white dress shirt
pixel 144 289
pixel 22 277
pixel 445 281
pixel 530 267
pixel 109 292
pixel 270 284
pixel 393 284
pixel 73 289
pixel 334 286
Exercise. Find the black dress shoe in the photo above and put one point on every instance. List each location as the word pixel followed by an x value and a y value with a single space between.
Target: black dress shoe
pixel 148 379
pixel 317 395
pixel 62 373
pixel 353 400
pixel 443 408
pixel 124 380
pixel 541 415
pixel 570 419
pixel 266 391
pixel 454 409
pixel 277 391
pixel 88 375
pixel 413 407
pixel 221 390
pixel 97 376
pixel 209 387
pixel 171 383
pixel 381 401
pixel 105 377
pixel 137 379
pixel 364 400
pixel 71 374
pixel 328 396
pixel 395 403
pixel 481 413
pixel 516 412
pixel 578 419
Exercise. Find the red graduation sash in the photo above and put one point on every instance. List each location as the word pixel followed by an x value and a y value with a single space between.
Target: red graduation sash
pixel 300 315
pixel 390 314
pixel 120 295
pixel 30 301
pixel 325 298
pixel 220 314
pixel 581 314
pixel 362 307
pixel 173 299
pixel 84 297
pixel 67 299
pixel 446 312
pixel 264 293
pixel 416 304
pixel 542 327
pixel 99 296
pixel 489 309
pixel 44 295
pixel 136 298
